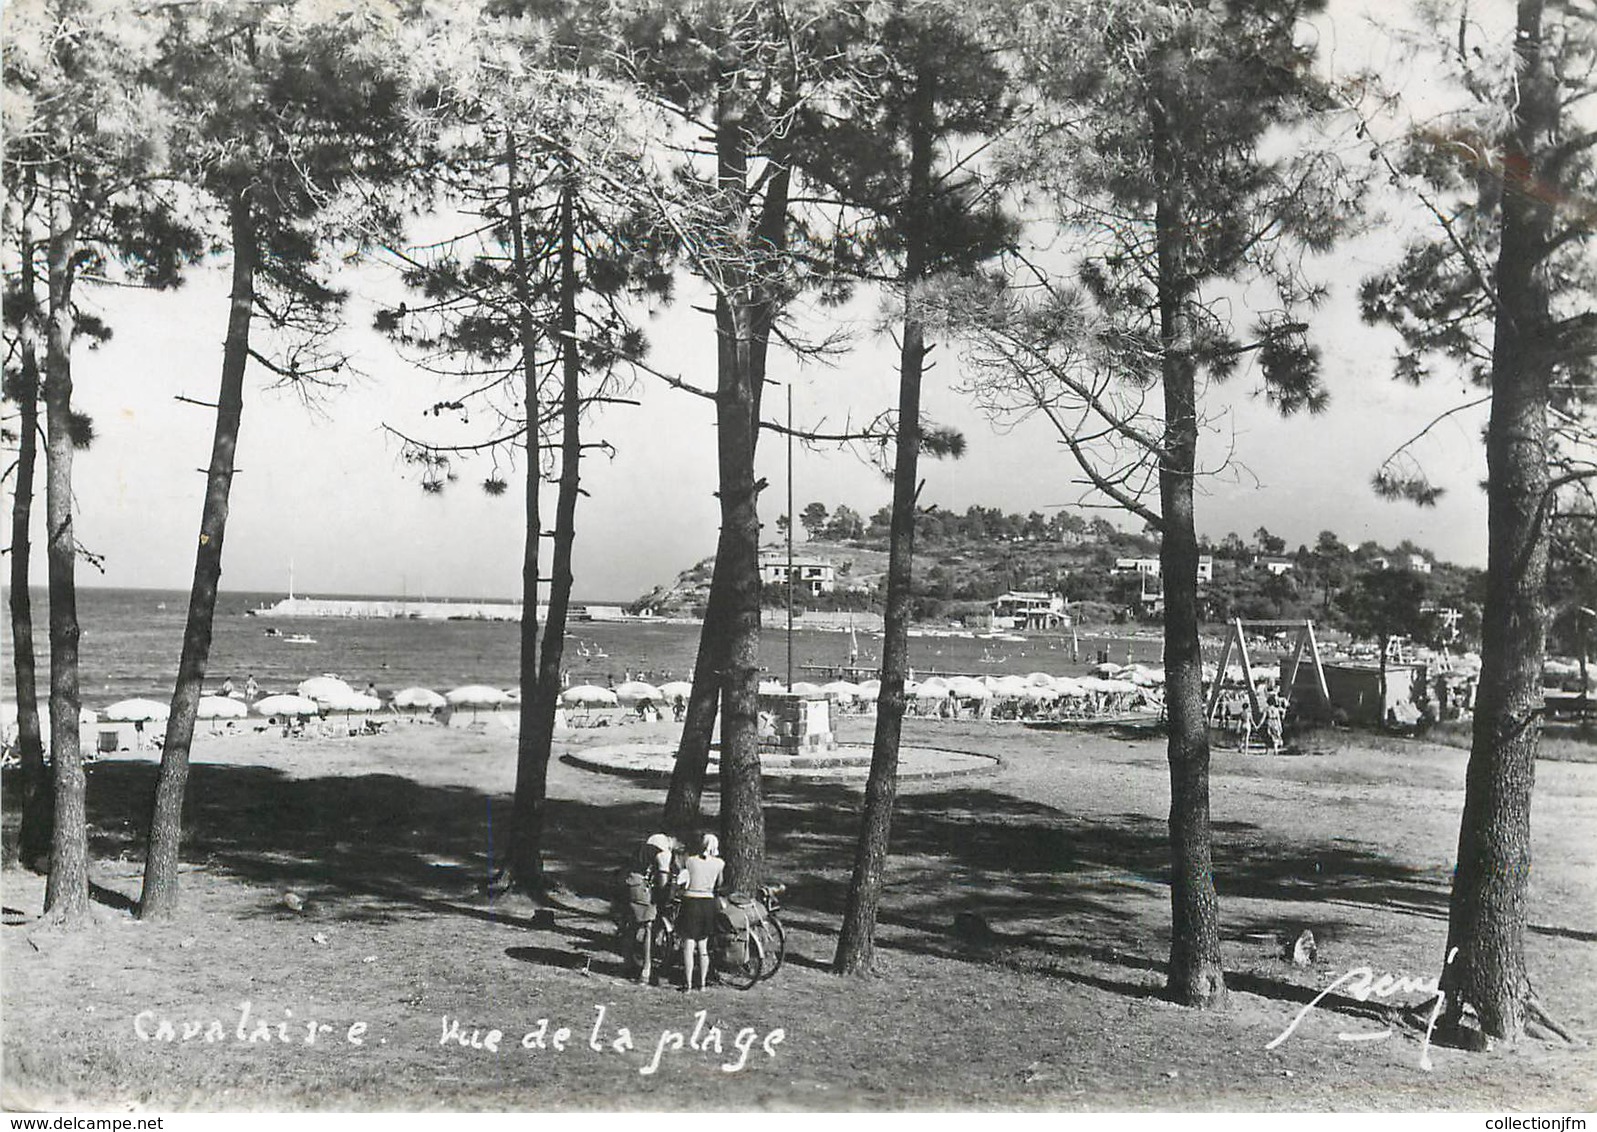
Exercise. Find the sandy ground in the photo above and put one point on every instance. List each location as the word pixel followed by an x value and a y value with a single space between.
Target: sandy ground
pixel 384 840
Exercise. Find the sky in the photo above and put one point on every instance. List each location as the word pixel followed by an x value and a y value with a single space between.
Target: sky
pixel 321 491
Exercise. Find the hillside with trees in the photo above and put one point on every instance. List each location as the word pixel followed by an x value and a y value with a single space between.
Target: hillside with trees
pixel 966 559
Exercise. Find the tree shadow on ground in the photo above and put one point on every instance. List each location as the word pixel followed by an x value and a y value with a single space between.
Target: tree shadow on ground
pixel 1087 895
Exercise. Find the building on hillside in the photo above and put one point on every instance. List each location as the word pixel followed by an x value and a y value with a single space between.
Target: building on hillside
pixel 810 575
pixel 1414 563
pixel 1019 609
pixel 1149 567
pixel 1276 565
pixel 1150 602
pixel 1146 566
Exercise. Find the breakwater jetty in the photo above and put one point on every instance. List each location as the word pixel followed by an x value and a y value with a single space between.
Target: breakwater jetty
pixel 397 609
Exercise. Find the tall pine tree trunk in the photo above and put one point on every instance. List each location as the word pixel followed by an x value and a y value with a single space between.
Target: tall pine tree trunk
pixel 683 799
pixel 545 695
pixel 1195 977
pixel 66 892
pixel 736 414
pixel 742 805
pixel 160 895
pixel 523 868
pixel 856 941
pixel 1487 916
pixel 38 799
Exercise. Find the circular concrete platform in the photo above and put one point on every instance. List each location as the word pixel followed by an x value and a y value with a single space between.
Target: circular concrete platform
pixel 841 764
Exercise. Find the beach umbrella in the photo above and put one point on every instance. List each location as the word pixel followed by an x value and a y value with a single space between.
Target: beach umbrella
pixel 8 718
pixel 805 688
pixel 221 707
pixel 1007 687
pixel 969 688
pixel 475 696
pixel 1105 669
pixel 1068 688
pixel 136 711
pixel 933 689
pixel 868 690
pixel 1145 676
pixel 1039 679
pixel 634 692
pixel 588 695
pixel 324 688
pixel 355 701
pixel 772 688
pixel 676 689
pixel 418 698
pixel 841 690
pixel 287 705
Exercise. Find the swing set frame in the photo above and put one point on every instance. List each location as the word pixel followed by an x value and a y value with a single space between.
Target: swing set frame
pixel 1306 647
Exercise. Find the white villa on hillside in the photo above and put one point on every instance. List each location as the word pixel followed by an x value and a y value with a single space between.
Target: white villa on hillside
pixel 810 575
pixel 1024 610
pixel 1149 567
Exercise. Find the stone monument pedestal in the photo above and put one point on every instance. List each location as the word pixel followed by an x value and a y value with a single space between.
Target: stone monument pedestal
pixel 798 724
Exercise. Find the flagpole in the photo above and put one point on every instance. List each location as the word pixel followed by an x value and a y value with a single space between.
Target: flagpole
pixel 790 536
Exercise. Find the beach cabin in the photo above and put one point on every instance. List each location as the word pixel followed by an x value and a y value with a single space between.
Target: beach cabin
pixel 1355 689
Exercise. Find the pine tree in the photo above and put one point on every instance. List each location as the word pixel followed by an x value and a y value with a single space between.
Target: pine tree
pixel 87 138
pixel 1503 290
pixel 921 215
pixel 1151 138
pixel 737 73
pixel 534 323
pixel 283 111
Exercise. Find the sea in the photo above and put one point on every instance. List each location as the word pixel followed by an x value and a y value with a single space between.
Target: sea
pixel 132 639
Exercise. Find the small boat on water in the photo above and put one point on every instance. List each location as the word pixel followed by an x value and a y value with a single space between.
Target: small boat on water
pixel 290 638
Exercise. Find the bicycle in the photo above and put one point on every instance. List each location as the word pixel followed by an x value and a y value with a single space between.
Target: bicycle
pixel 774 936
pixel 766 943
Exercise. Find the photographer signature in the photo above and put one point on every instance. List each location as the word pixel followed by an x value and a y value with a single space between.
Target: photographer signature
pixel 1361 983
